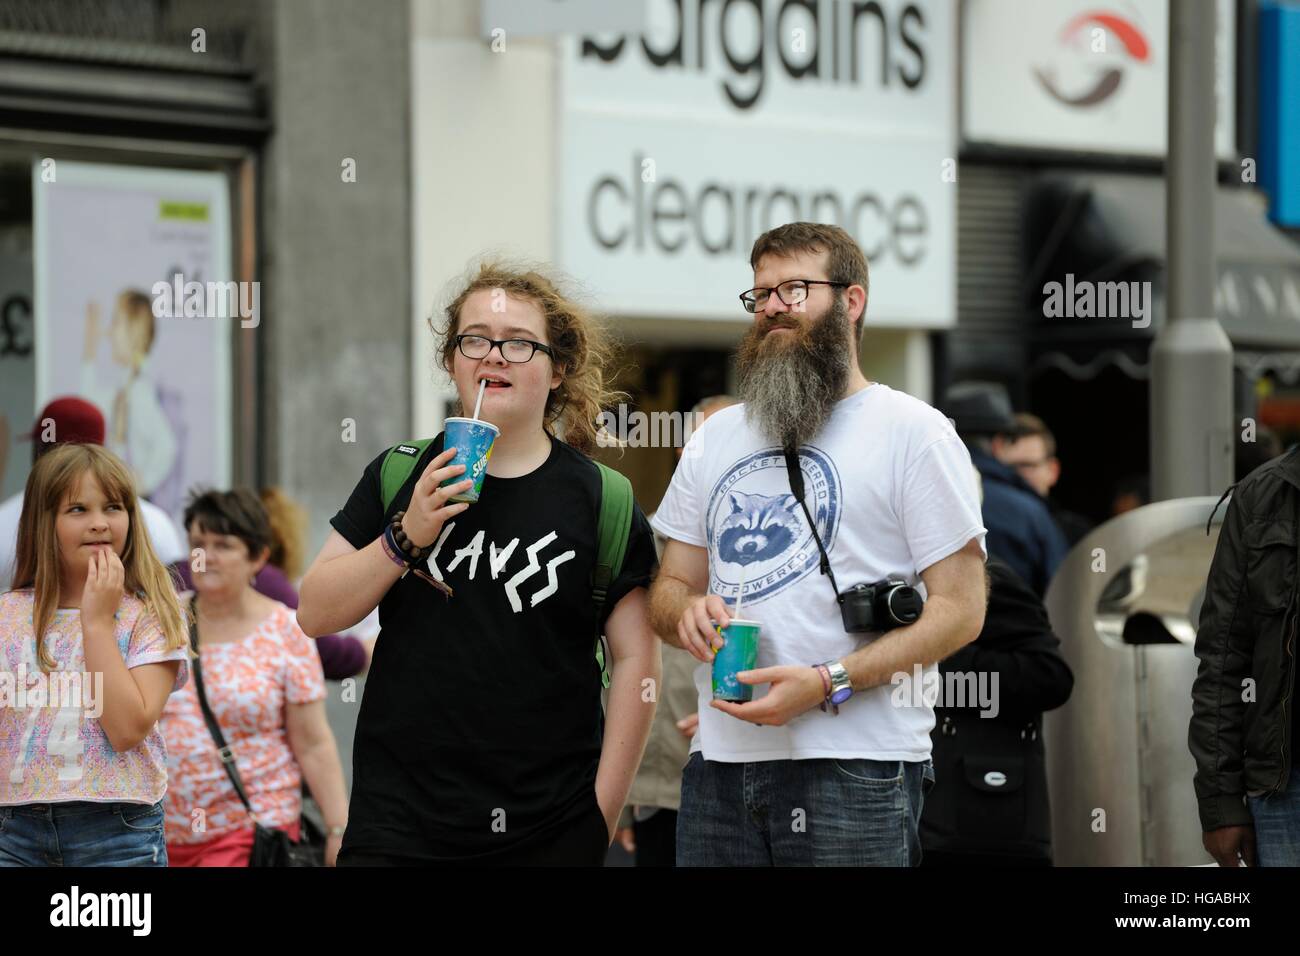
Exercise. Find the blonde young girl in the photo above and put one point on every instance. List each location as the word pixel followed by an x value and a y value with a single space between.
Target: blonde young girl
pixel 92 641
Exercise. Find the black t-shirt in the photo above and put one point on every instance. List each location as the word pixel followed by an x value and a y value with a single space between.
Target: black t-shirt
pixel 480 727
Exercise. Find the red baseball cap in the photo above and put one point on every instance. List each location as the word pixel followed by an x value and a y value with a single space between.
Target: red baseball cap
pixel 75 419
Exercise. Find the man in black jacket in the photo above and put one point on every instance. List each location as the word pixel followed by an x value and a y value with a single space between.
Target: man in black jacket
pixel 989 803
pixel 1243 699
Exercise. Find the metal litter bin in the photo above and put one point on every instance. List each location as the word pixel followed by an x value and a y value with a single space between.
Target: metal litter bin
pixel 1125 604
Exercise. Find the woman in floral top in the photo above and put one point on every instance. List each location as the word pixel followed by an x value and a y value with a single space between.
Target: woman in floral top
pixel 263 680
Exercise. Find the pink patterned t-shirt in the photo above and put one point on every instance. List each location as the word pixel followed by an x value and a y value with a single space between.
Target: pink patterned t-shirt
pixel 249 683
pixel 52 746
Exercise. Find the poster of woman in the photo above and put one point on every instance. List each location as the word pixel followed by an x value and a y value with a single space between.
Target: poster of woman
pixel 107 238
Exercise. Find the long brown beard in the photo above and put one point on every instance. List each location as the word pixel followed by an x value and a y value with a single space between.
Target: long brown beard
pixel 790 383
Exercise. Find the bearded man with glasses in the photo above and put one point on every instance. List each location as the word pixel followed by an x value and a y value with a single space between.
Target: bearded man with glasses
pixel 819 477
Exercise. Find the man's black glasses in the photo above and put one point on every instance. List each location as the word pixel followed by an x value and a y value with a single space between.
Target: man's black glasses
pixel 791 292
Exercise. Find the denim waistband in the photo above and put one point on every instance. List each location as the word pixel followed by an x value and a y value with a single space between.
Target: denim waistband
pixel 71 808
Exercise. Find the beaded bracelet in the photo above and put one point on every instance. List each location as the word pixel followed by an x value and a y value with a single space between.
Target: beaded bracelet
pixel 409 549
pixel 401 551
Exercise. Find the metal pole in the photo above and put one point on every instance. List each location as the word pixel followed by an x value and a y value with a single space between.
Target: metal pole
pixel 1191 360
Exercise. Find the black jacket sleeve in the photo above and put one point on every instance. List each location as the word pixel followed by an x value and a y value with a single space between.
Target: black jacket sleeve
pixel 1018 644
pixel 1216 732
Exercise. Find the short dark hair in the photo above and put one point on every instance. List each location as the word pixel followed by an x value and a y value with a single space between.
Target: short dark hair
pixel 1031 426
pixel 237 512
pixel 845 260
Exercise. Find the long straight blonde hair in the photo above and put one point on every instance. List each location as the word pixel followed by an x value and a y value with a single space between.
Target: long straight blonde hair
pixel 39 565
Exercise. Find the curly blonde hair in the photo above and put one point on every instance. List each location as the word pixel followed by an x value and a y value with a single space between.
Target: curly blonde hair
pixel 582 348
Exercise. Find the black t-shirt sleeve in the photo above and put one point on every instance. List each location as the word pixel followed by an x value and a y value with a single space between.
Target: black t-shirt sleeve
pixel 639 563
pixel 361 520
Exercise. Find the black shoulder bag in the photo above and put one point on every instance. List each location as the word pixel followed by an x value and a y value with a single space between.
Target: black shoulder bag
pixel 271 847
pixel 990 800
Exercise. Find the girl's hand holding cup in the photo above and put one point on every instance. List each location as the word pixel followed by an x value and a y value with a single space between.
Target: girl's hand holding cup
pixel 105 580
pixel 429 510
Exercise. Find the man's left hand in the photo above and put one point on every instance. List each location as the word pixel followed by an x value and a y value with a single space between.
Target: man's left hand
pixel 794 690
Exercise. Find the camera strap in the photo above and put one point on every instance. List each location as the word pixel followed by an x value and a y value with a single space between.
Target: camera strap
pixel 795 474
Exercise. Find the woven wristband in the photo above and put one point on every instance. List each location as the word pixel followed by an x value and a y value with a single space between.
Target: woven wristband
pixel 392 550
pixel 825 673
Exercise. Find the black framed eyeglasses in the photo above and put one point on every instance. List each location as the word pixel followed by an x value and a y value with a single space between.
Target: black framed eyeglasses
pixel 515 351
pixel 791 292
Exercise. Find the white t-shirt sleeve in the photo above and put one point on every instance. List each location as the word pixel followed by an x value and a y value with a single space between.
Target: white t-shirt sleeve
pixel 150 439
pixel 164 537
pixel 939 503
pixel 681 513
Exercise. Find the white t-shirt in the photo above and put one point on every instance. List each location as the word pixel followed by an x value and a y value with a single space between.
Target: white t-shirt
pixel 892 490
pixel 164 537
pixel 150 446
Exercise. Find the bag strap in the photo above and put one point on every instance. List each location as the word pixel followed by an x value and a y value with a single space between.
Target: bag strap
pixel 397 467
pixel 612 529
pixel 795 474
pixel 1210 520
pixel 209 718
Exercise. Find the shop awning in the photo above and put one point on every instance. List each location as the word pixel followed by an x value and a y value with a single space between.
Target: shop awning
pixel 121 88
pixel 1093 228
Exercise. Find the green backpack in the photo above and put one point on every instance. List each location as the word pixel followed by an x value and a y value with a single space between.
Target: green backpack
pixel 612 527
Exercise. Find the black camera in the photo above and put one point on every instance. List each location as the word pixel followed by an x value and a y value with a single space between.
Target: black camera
pixel 882 606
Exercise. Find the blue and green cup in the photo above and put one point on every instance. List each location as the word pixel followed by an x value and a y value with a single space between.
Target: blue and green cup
pixel 739 653
pixel 473 440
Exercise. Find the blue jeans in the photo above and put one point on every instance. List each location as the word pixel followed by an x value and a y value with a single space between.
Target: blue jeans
pixel 81 833
pixel 1277 825
pixel 801 812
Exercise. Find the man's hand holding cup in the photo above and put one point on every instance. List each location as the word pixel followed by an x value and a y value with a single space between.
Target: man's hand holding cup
pixel 697 631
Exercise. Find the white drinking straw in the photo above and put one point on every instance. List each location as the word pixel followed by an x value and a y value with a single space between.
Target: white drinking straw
pixel 740 594
pixel 479 403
